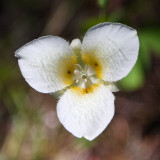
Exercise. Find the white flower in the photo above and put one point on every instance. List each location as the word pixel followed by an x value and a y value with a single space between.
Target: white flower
pixel 87 71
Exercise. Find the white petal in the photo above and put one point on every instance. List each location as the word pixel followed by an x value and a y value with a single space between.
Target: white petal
pixel 86 115
pixel 115 47
pixel 43 61
pixel 76 44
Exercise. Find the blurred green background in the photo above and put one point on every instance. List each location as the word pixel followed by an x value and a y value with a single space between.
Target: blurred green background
pixel 29 127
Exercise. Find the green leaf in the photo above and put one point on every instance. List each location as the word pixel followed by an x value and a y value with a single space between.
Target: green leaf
pixel 151 38
pixel 88 23
pixel 102 3
pixel 116 16
pixel 135 79
pixel 144 53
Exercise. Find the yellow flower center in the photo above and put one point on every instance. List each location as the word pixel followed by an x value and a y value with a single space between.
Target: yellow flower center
pixel 66 69
pixel 92 60
pixel 82 79
pixel 84 91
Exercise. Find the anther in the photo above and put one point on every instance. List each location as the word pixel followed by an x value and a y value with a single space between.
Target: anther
pixel 85 80
pixel 76 72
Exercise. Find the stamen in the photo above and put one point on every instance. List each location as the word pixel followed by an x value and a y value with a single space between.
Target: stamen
pixel 79 67
pixel 86 68
pixel 82 78
pixel 76 72
pixel 85 80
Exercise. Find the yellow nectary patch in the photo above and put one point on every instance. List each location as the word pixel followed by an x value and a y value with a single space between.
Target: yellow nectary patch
pixel 92 60
pixel 85 91
pixel 66 69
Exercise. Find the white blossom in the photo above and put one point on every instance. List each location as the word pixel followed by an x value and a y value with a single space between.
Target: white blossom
pixel 86 71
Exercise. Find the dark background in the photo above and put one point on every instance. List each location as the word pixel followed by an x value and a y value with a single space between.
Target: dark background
pixel 29 128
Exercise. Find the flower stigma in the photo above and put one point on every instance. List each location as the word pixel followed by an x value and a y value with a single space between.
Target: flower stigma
pixel 82 77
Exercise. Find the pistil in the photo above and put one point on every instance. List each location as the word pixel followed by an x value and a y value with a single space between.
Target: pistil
pixel 82 78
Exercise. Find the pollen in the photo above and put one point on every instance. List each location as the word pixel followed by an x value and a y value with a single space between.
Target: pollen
pixel 84 91
pixel 92 60
pixel 66 69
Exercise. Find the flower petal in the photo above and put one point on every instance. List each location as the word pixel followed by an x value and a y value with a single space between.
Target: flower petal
pixel 44 63
pixel 112 48
pixel 88 114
